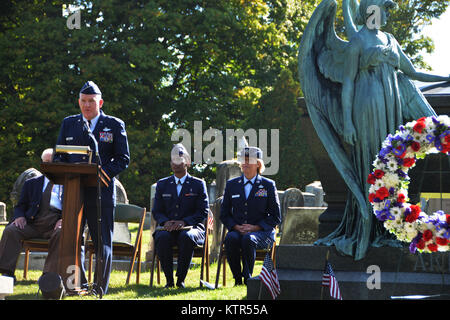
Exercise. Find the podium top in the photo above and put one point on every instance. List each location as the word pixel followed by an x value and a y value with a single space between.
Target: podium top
pixel 58 171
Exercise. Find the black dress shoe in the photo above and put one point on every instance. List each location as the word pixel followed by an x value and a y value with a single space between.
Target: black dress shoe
pixel 169 285
pixel 180 284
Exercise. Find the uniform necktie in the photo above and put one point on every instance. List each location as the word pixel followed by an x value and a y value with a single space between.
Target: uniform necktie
pixel 179 186
pixel 247 189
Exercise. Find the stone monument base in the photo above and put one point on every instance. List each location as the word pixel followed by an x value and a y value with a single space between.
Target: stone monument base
pixel 385 273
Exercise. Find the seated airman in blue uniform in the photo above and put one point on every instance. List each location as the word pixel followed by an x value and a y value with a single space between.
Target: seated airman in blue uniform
pixel 111 139
pixel 250 211
pixel 180 207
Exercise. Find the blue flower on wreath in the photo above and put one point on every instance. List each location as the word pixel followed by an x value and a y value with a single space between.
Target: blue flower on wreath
pixel 384 214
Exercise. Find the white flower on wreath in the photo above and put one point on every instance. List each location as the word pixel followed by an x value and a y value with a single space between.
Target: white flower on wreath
pixel 378 164
pixel 378 184
pixel 391 180
pixel 396 211
pixel 392 165
pixel 411 230
pixel 444 119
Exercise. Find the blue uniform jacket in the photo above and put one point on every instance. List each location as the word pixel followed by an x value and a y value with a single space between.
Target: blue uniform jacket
pixel 30 198
pixel 261 208
pixel 112 144
pixel 191 205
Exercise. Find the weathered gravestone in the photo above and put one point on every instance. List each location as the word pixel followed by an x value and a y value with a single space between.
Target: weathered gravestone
pixel 301 225
pixel 3 217
pixel 291 197
pixel 226 170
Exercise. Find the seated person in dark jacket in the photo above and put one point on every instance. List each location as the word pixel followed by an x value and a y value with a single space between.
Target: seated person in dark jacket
pixel 250 211
pixel 36 215
pixel 180 207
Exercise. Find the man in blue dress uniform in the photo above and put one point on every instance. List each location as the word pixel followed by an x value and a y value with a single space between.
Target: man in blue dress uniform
pixel 250 211
pixel 111 138
pixel 180 207
pixel 36 215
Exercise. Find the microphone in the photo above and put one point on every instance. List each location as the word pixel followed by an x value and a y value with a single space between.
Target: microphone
pixel 91 135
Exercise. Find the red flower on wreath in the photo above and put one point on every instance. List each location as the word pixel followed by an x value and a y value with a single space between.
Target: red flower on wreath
pixel 371 179
pixel 378 173
pixel 420 244
pixel 441 241
pixel 415 212
pixel 408 162
pixel 427 235
pixel 420 125
pixel 382 193
pixel 401 198
pixel 432 247
pixel 415 146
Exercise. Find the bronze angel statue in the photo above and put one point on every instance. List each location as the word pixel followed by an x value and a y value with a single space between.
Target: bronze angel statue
pixel 357 91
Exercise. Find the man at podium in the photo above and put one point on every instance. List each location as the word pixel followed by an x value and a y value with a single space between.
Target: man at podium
pixel 112 145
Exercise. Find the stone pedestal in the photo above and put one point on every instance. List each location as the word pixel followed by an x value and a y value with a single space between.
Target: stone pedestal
pixel 400 273
pixel 334 187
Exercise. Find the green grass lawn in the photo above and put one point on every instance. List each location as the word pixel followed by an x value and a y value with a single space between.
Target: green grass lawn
pixel 28 289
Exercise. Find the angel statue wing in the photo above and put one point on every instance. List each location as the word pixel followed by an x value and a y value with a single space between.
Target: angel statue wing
pixel 321 68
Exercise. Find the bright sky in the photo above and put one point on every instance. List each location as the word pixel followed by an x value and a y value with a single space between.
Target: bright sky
pixel 439 31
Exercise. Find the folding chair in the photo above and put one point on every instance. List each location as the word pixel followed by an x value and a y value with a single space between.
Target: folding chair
pixel 32 245
pixel 260 255
pixel 200 251
pixel 131 214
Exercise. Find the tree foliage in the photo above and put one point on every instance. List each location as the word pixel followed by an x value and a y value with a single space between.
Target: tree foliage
pixel 161 65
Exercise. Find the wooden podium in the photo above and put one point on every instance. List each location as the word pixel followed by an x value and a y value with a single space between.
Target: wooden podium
pixel 74 177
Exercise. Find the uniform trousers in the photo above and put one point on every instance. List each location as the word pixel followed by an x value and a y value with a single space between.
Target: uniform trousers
pixel 239 246
pixel 186 241
pixel 41 227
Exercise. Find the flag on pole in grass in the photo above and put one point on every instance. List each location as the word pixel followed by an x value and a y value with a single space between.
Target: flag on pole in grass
pixel 329 280
pixel 210 220
pixel 269 276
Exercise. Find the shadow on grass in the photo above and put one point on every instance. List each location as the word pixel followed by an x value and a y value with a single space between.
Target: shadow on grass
pixel 145 291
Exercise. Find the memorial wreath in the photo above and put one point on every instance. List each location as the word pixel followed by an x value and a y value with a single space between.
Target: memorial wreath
pixel 389 181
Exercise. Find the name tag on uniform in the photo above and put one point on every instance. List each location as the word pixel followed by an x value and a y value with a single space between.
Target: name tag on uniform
pixel 235 196
pixel 166 195
pixel 69 138
pixel 106 136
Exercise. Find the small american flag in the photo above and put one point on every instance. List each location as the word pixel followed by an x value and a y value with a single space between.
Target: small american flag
pixel 210 220
pixel 269 276
pixel 329 280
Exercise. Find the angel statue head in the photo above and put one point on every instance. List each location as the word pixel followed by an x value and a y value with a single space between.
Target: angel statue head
pixel 374 13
